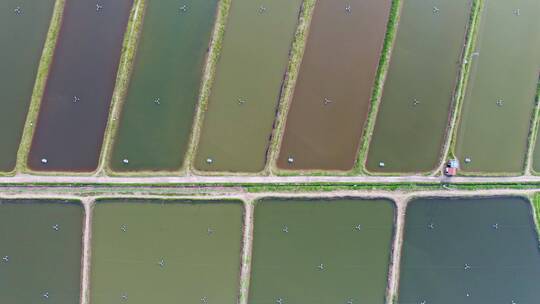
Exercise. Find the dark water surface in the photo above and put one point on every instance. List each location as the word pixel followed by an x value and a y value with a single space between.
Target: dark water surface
pixel 333 91
pixel 470 251
pixel 23 29
pixel 75 105
pixel 157 116
pixel 40 251
pixel 176 252
pixel 242 107
pixel 497 109
pixel 321 251
pixel 414 111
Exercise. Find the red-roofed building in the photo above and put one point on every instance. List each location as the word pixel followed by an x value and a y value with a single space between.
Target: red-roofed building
pixel 450 171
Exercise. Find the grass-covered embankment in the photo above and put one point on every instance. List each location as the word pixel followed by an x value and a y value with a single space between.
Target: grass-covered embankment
pixel 295 60
pixel 208 79
pixel 129 51
pixel 463 78
pixel 533 134
pixel 536 208
pixel 384 64
pixel 39 86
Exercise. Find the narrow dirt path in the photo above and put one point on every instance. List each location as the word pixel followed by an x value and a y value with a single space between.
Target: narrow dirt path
pixel 85 260
pixel 178 180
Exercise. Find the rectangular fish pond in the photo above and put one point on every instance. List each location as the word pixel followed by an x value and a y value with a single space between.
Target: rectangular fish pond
pixel 414 110
pixel 23 29
pixel 40 251
pixel 239 117
pixel 75 105
pixel 157 115
pixel 498 107
pixel 321 251
pixel 166 251
pixel 333 90
pixel 470 250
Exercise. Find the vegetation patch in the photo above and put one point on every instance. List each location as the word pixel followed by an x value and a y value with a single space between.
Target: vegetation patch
pixel 287 91
pixel 208 80
pixel 39 85
pixel 129 51
pixel 384 64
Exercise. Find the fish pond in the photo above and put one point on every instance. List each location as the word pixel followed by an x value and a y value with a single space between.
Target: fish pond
pixel 414 110
pixel 157 116
pixel 470 250
pixel 75 105
pixel 321 251
pixel 242 106
pixel 41 251
pixel 23 28
pixel 166 251
pixel 500 98
pixel 333 91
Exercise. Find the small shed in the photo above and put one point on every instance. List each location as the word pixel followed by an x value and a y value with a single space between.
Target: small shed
pixel 453 163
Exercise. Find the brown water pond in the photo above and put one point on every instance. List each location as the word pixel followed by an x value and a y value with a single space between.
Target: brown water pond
pixel 333 91
pixel 75 105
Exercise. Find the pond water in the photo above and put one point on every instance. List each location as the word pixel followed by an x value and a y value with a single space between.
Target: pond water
pixel 157 116
pixel 500 99
pixel 166 251
pixel 473 250
pixel 240 114
pixel 414 110
pixel 75 105
pixel 41 251
pixel 333 91
pixel 321 251
pixel 23 28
